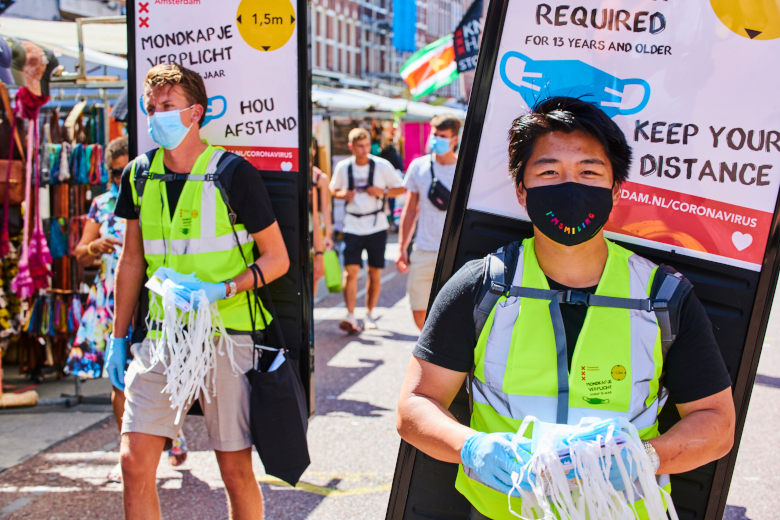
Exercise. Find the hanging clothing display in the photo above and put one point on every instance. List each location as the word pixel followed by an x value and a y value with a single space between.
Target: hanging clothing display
pixel 34 272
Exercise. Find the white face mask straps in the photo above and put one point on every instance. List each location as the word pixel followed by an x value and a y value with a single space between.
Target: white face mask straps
pixel 571 468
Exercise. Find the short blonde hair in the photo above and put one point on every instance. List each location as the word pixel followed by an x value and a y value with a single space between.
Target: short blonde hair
pixel 174 74
pixel 356 134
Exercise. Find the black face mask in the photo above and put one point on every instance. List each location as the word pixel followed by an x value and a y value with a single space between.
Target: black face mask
pixel 569 213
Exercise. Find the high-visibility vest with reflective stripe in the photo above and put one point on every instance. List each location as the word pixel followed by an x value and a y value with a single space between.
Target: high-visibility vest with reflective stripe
pixel 615 368
pixel 198 239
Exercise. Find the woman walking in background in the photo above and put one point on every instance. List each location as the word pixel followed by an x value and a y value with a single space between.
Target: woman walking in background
pixel 101 242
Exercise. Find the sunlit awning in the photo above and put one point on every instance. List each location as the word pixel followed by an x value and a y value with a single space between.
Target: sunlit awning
pixel 100 40
pixel 346 100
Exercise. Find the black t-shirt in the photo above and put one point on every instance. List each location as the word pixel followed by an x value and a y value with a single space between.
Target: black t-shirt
pixel 448 338
pixel 248 197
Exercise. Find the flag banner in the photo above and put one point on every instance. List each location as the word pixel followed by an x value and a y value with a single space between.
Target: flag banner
pixel 404 25
pixel 430 68
pixel 467 36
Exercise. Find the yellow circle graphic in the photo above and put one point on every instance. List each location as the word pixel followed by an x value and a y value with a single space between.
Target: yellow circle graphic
pixel 753 19
pixel 619 372
pixel 266 25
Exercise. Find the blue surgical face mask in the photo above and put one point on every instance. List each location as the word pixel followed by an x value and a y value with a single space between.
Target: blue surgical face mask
pixel 440 145
pixel 166 128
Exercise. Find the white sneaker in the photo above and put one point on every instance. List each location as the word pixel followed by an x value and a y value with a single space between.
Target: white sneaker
pixel 369 323
pixel 350 324
pixel 115 475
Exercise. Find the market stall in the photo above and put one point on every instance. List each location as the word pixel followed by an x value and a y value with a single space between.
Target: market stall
pixel 54 127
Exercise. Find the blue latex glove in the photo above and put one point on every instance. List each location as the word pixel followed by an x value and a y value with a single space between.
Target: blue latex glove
pixel 116 360
pixel 614 471
pixel 491 457
pixel 214 291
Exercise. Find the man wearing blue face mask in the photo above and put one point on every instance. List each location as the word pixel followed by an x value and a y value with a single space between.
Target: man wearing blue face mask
pixel 428 182
pixel 564 325
pixel 178 217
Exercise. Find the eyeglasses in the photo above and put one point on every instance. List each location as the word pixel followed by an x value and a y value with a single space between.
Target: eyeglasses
pixel 117 172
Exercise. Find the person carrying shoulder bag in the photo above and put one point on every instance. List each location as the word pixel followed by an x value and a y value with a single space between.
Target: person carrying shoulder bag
pixel 182 215
pixel 428 183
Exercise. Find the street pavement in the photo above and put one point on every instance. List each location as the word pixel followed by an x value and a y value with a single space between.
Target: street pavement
pixel 352 439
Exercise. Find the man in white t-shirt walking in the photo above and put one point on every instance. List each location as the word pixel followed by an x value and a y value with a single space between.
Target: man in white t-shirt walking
pixel 420 200
pixel 364 182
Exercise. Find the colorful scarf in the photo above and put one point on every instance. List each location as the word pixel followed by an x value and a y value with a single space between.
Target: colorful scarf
pixel 34 272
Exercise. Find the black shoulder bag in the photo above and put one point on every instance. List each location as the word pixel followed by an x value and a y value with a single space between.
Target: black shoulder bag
pixel 438 193
pixel 278 415
pixel 278 418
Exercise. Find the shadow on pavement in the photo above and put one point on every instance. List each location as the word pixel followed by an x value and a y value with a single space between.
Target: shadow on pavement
pixel 280 506
pixel 762 380
pixel 735 513
pixel 340 379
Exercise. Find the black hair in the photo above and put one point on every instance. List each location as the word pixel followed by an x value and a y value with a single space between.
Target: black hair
pixel 566 114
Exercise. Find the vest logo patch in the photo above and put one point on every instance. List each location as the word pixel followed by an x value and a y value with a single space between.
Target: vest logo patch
pixel 618 372
pixel 186 217
pixel 595 400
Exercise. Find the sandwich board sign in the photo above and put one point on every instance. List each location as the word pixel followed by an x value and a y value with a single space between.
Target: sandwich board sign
pixel 702 191
pixel 253 57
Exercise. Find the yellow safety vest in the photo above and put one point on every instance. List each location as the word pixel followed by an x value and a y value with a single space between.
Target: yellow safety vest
pixel 198 239
pixel 615 368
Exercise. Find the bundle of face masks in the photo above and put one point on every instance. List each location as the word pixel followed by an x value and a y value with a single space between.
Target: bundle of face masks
pixel 568 475
pixel 187 345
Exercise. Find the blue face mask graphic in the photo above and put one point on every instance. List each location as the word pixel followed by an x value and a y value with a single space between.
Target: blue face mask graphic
pixel 166 128
pixel 439 145
pixel 572 78
pixel 211 111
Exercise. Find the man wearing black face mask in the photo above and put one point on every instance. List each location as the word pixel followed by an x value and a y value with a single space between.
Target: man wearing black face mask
pixel 601 332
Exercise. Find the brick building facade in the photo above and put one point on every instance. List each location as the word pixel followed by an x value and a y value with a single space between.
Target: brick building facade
pixel 355 39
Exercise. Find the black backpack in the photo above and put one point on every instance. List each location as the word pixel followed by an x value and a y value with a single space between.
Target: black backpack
pixel 221 178
pixel 351 186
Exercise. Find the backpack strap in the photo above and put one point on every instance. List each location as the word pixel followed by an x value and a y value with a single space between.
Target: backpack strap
pixel 223 177
pixel 499 267
pixel 350 177
pixel 371 168
pixel 142 165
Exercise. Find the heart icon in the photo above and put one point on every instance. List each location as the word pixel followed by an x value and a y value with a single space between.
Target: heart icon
pixel 741 241
pixel 286 166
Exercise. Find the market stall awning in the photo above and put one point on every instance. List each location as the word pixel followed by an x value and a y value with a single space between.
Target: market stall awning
pixel 345 100
pixel 100 40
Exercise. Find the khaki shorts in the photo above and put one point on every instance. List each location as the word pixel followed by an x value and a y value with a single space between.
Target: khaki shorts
pixel 148 410
pixel 420 280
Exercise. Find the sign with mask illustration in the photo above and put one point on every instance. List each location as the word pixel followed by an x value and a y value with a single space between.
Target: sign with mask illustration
pixel 691 86
pixel 247 54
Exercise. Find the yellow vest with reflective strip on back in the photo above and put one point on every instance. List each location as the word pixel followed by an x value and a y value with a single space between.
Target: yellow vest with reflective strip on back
pixel 615 368
pixel 198 239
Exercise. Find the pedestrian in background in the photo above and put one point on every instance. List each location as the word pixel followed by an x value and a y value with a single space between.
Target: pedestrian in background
pixel 364 181
pixel 102 240
pixel 420 209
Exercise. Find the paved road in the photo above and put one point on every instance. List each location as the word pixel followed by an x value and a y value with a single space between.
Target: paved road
pixel 352 439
